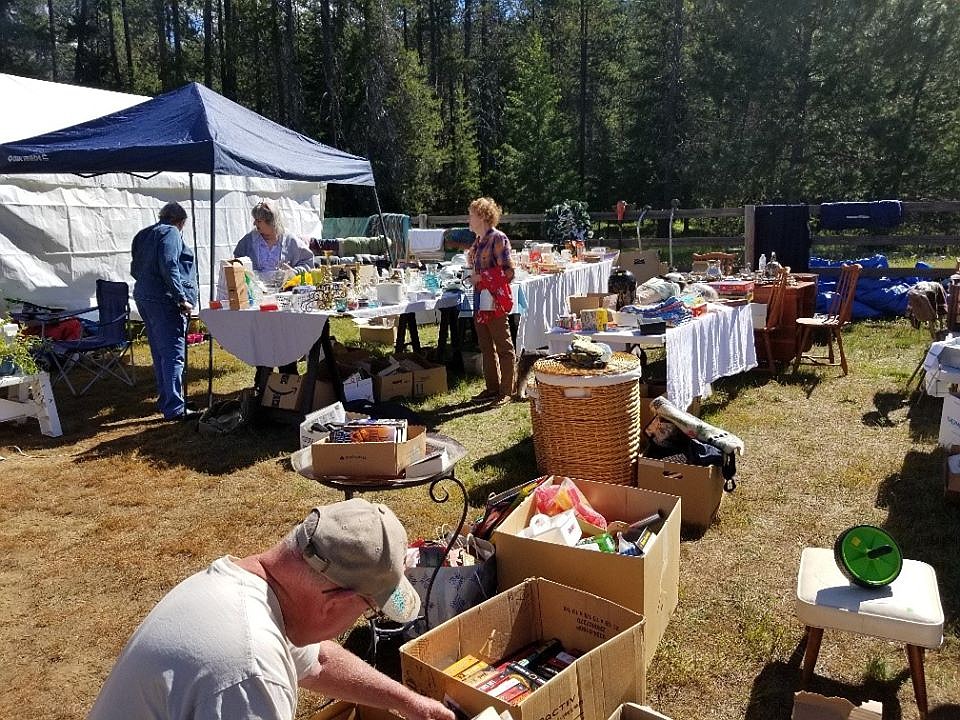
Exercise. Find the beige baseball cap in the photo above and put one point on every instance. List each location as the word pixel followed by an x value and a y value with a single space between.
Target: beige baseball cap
pixel 361 546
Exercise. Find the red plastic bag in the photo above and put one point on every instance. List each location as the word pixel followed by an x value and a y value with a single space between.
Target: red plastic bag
pixel 553 499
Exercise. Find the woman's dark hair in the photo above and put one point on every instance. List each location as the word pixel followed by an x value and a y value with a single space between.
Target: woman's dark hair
pixel 172 213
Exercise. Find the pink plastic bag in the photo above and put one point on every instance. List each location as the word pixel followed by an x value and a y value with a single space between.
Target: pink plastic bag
pixel 554 499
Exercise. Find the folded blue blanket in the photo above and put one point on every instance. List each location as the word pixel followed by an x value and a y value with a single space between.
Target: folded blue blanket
pixel 870 215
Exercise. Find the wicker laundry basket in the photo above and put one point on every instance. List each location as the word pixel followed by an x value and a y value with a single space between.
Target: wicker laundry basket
pixel 586 422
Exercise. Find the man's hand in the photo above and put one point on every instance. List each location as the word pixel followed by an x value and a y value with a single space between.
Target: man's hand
pixel 185 308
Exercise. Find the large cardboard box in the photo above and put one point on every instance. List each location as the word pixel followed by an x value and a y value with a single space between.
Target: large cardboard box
pixel 428 378
pixel 700 488
pixel 632 711
pixel 282 391
pixel 950 421
pixel 644 264
pixel 591 301
pixel 648 585
pixel 610 672
pixel 378 334
pixel 369 459
pixel 393 386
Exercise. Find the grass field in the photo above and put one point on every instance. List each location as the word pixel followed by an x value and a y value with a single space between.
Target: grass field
pixel 97 525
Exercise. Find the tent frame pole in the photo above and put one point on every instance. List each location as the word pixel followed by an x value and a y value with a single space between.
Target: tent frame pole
pixel 213 262
pixel 196 274
pixel 383 223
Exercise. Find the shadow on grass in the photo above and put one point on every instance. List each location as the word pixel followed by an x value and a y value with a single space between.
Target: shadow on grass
pixel 518 458
pixel 771 697
pixel 894 408
pixel 919 519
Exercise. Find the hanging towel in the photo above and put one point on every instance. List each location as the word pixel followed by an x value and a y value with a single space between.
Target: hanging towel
pixel 880 214
pixel 785 230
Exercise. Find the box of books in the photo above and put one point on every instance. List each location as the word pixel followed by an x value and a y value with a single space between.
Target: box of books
pixel 647 582
pixel 540 651
pixel 369 448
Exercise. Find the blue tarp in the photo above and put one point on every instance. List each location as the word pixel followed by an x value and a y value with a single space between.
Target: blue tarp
pixel 192 129
pixel 875 297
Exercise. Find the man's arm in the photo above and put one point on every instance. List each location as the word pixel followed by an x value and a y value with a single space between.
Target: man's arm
pixel 169 259
pixel 340 674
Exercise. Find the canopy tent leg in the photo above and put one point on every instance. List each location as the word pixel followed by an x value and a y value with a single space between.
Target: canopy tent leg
pixel 213 261
pixel 196 273
pixel 383 226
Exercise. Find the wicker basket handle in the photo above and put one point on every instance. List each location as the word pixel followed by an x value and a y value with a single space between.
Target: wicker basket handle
pixel 577 393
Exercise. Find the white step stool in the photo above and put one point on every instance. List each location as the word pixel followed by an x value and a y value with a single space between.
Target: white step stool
pixel 30 396
pixel 908 610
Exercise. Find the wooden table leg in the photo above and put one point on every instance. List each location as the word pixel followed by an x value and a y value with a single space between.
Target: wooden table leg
pixel 814 638
pixel 915 656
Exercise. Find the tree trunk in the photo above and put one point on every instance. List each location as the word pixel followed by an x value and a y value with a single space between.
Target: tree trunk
pixel 163 50
pixel 208 43
pixel 114 58
pixel 54 69
pixel 177 42
pixel 291 74
pixel 80 61
pixel 334 120
pixel 128 45
pixel 281 70
pixel 671 110
pixel 228 55
pixel 582 141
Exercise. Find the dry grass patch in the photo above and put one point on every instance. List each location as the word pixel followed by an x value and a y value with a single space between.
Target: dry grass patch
pixel 96 526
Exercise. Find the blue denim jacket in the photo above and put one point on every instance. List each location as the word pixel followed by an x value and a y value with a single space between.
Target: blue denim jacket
pixel 163 266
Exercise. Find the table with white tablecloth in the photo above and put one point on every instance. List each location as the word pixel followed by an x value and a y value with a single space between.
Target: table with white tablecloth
pixel 716 344
pixel 546 298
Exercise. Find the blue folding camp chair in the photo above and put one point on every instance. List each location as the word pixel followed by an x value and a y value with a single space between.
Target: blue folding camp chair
pixel 100 353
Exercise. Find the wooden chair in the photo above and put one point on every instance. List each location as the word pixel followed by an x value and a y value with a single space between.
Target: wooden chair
pixel 727 260
pixel 841 308
pixel 774 313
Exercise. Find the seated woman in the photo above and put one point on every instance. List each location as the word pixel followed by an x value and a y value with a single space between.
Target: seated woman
pixel 273 251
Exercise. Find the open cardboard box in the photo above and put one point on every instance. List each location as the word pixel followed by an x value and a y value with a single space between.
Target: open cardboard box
pixel 610 672
pixel 648 585
pixel 282 391
pixel 591 301
pixel 428 378
pixel 700 487
pixel 810 706
pixel 369 459
pixel 340 710
pixel 632 711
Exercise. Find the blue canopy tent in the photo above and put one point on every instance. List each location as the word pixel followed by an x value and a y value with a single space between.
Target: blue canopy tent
pixel 194 130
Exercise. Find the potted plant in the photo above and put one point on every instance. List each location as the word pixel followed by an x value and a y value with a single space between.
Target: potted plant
pixel 17 351
pixel 566 222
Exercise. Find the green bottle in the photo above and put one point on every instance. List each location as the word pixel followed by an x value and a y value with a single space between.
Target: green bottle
pixel 605 541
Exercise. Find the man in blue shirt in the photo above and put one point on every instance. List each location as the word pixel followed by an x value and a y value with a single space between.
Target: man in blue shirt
pixel 165 291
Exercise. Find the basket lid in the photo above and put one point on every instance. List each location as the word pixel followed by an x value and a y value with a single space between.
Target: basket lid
pixel 620 363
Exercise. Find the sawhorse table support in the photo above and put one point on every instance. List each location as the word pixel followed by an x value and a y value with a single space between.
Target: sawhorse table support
pixel 30 396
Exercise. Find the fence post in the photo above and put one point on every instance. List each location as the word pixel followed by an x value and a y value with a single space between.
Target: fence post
pixel 422 220
pixel 749 236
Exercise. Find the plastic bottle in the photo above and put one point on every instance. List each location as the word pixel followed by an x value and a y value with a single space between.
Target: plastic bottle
pixel 773 256
pixel 763 263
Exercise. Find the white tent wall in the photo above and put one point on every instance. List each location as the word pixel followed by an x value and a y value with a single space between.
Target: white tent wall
pixel 60 233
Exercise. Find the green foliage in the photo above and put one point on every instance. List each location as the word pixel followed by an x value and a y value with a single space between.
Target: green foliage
pixel 568 220
pixel 20 350
pixel 459 178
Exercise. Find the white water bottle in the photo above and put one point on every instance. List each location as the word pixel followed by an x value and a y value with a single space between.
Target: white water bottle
pixel 763 263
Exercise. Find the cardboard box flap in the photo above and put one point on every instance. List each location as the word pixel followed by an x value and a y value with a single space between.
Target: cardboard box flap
pixel 632 711
pixel 810 706
pixel 340 710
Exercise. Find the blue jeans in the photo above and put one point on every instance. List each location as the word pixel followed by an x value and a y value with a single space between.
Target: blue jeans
pixel 166 330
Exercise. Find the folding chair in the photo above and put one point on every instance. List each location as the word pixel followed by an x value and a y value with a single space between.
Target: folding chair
pixel 102 352
pixel 841 308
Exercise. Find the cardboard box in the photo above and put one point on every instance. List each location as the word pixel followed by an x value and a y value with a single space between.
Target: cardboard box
pixel 323 394
pixel 810 706
pixel 340 710
pixel 950 421
pixel 700 488
pixel 591 301
pixel 632 711
pixel 378 334
pixel 610 672
pixel 282 391
pixel 644 264
pixel 428 378
pixel 370 459
pixel 391 387
pixel 334 412
pixel 951 480
pixel 357 385
pixel 648 585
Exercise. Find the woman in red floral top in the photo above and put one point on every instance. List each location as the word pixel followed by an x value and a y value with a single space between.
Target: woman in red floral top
pixel 489 257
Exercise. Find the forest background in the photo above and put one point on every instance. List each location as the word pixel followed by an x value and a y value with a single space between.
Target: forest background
pixel 712 102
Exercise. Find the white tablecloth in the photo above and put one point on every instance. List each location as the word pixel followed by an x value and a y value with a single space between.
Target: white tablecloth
pixel 451 299
pixel 547 295
pixel 265 338
pixel 714 345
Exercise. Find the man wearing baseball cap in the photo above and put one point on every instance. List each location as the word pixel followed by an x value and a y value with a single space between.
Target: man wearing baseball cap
pixel 235 640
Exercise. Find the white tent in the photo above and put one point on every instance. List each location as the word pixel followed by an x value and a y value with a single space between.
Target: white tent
pixel 60 233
